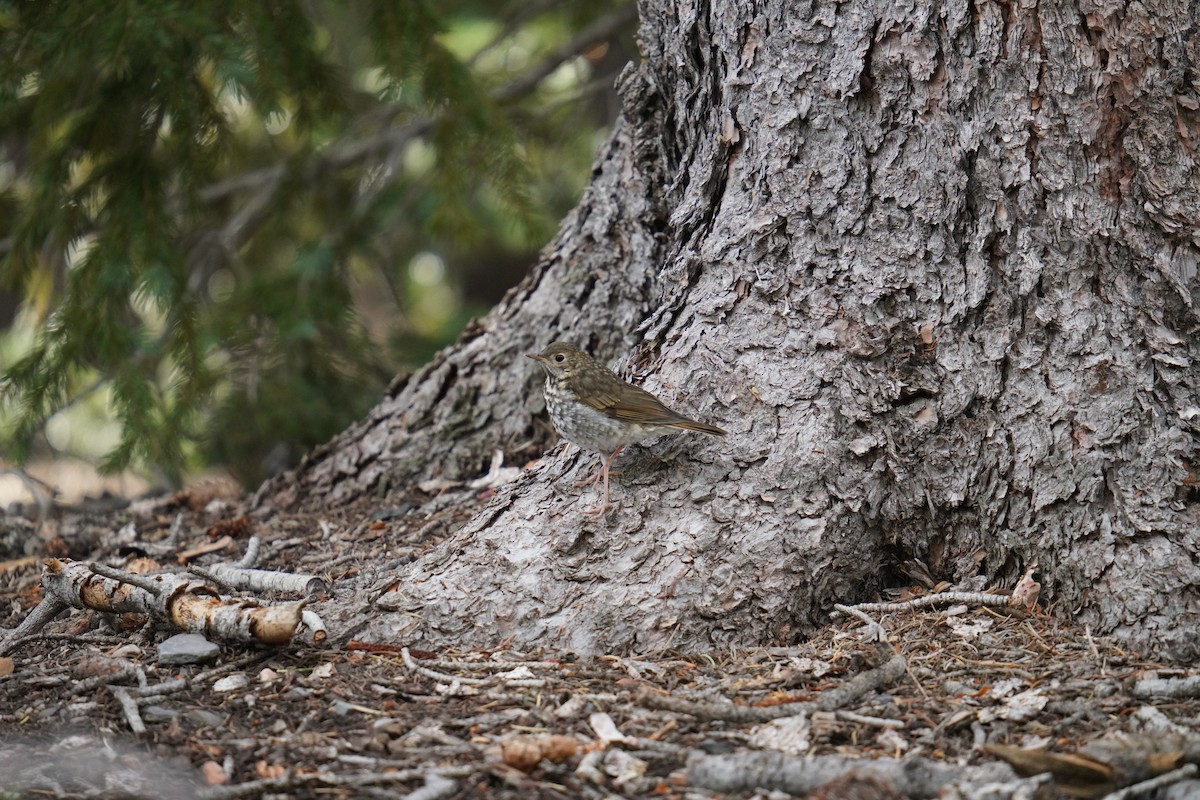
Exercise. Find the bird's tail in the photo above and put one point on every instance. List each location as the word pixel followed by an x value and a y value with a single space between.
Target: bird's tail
pixel 692 425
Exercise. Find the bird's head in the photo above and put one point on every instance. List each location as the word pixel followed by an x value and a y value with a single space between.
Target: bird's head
pixel 560 360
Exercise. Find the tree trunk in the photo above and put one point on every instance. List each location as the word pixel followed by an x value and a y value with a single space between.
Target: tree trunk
pixel 933 267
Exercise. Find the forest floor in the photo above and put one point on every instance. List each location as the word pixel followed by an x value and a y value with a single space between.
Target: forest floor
pixel 940 707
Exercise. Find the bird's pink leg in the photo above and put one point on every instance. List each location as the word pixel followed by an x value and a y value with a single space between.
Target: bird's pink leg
pixel 605 471
pixel 599 473
pixel 595 476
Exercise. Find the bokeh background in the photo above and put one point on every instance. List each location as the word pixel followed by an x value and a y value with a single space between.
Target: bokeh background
pixel 225 227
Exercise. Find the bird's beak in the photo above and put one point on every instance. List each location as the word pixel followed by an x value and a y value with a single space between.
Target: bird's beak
pixel 539 359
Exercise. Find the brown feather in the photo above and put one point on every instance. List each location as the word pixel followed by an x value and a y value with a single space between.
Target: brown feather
pixel 618 399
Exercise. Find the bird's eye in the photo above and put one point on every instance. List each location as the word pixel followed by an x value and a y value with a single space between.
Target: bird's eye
pixel 559 358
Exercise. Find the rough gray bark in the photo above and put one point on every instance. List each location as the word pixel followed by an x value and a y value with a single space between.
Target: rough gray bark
pixel 933 267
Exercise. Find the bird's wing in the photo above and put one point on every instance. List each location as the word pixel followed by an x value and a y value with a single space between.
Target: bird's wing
pixel 633 404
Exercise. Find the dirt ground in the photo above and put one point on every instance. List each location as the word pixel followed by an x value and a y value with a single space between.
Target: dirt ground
pixel 954 694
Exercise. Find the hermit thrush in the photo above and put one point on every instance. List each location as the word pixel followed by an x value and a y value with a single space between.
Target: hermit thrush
pixel 594 409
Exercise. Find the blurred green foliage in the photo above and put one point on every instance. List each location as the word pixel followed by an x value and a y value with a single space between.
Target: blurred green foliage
pixel 227 224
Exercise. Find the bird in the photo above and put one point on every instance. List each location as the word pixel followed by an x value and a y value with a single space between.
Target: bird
pixel 596 410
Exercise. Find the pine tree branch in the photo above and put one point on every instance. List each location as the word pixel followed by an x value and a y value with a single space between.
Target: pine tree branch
pixel 266 181
pixel 349 152
pixel 511 25
pixel 599 30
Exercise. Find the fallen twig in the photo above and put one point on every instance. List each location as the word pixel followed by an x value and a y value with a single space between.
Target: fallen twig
pixel 314 625
pixel 412 664
pixel 34 621
pixel 875 631
pixel 436 787
pixel 926 600
pixel 251 556
pixel 262 580
pixel 129 706
pixel 1157 782
pixel 126 673
pixel 912 777
pixel 294 780
pixel 1172 688
pixel 831 700
pixel 874 722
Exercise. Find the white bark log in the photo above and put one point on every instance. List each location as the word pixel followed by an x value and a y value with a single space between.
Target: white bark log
pixel 187 604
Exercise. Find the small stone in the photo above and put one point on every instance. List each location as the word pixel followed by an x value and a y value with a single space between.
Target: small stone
pixel 572 708
pixel 159 714
pixel 231 683
pixel 389 725
pixel 186 648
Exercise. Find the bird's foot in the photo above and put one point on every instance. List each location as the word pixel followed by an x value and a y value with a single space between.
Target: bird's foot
pixel 597 476
pixel 596 512
pixel 604 506
pixel 605 469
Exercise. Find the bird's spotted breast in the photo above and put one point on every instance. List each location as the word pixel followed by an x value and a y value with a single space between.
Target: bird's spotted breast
pixel 582 425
